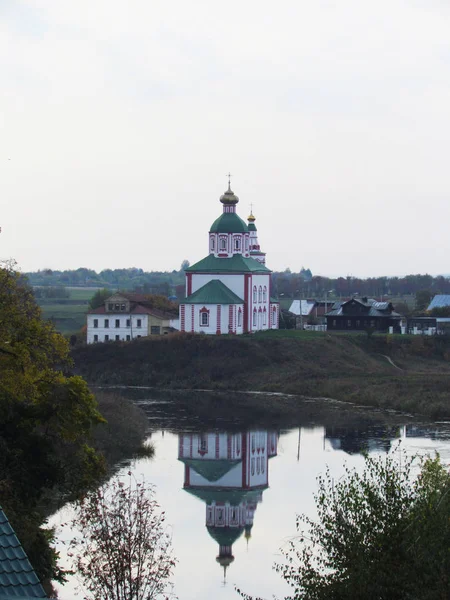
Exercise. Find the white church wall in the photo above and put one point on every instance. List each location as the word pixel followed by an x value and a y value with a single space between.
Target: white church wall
pixel 231 479
pixel 235 282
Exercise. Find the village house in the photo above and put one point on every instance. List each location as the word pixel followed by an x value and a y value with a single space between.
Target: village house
pixel 228 291
pixel 124 317
pixel 362 314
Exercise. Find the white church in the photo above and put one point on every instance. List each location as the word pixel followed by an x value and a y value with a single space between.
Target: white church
pixel 228 291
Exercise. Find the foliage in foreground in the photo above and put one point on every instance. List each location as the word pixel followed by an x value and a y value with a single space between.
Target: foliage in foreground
pixel 124 550
pixel 45 419
pixel 379 535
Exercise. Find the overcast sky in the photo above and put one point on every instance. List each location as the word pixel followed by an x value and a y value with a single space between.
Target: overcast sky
pixel 120 119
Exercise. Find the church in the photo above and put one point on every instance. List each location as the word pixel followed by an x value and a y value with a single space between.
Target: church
pixel 228 291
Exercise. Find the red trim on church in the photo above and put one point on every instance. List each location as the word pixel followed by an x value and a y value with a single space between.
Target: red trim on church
pixel 192 318
pixel 189 283
pixel 219 316
pixel 247 303
pixel 183 317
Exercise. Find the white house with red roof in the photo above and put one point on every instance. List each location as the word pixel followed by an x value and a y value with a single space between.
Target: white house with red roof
pixel 228 291
pixel 124 317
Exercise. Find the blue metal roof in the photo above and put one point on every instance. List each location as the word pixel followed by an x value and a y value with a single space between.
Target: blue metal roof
pixel 439 301
pixel 17 576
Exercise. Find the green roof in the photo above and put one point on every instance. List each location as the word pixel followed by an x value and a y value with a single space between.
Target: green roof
pixel 251 227
pixel 234 496
pixel 236 264
pixel 212 470
pixel 213 292
pixel 229 223
pixel 17 576
pixel 225 536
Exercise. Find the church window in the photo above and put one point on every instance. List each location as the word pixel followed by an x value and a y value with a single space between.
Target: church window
pixel 223 244
pixel 255 294
pixel 253 466
pixel 237 243
pixel 204 317
pixel 260 294
pixel 258 465
pixel 106 323
pixel 212 243
pixel 254 317
pixel 239 319
pixel 203 444
pixel 262 466
pixel 95 323
pixel 246 244
pixel 265 294
pixel 253 442
pixel 264 317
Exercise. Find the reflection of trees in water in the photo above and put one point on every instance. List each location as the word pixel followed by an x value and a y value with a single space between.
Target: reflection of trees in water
pixel 354 440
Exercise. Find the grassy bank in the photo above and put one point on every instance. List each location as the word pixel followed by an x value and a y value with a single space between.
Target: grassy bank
pixel 345 367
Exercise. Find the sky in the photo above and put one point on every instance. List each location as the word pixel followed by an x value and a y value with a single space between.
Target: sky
pixel 120 120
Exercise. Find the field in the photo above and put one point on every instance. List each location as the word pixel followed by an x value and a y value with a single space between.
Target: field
pixel 67 314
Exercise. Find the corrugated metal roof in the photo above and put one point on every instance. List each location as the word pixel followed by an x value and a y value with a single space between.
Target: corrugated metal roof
pixel 236 264
pixel 439 301
pixel 213 292
pixel 303 305
pixel 17 576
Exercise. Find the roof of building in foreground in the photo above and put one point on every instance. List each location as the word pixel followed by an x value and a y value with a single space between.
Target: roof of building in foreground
pixel 213 292
pixel 439 301
pixel 17 576
pixel 235 264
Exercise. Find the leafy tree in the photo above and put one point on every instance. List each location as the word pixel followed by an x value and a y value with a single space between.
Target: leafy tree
pixel 45 419
pixel 423 298
pixel 379 535
pixel 98 299
pixel 124 550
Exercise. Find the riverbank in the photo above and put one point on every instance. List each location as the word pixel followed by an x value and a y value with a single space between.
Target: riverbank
pixel 408 373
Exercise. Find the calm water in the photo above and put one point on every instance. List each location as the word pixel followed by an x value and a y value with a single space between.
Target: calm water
pixel 231 486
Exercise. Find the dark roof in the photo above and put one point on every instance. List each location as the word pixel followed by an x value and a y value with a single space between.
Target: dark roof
pixel 439 301
pixel 17 576
pixel 236 264
pixel 234 496
pixel 213 292
pixel 229 223
pixel 374 308
pixel 212 470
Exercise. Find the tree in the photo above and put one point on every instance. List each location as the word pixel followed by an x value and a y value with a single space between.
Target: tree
pixel 45 420
pixel 124 550
pixel 423 298
pixel 379 535
pixel 98 299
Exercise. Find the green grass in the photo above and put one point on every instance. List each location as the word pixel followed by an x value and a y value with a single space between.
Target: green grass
pixel 82 293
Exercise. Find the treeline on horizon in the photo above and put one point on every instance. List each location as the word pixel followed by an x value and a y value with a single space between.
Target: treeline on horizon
pixel 286 283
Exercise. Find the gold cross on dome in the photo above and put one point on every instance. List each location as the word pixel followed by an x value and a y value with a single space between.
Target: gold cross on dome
pixel 229 180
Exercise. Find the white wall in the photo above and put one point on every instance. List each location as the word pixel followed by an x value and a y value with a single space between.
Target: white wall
pixel 234 282
pixel 112 331
pixel 211 329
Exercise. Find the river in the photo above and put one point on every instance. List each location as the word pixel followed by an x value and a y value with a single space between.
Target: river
pixel 231 485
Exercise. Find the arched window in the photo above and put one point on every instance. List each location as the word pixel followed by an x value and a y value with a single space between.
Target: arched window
pixel 237 243
pixel 239 319
pixel 264 316
pixel 260 294
pixel 212 243
pixel 265 294
pixel 255 317
pixel 204 317
pixel 223 244
pixel 255 294
pixel 246 244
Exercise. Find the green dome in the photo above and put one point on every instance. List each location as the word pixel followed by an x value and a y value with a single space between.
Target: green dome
pixel 251 227
pixel 225 536
pixel 229 223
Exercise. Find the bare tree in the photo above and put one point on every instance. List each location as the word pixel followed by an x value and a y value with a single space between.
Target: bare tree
pixel 124 551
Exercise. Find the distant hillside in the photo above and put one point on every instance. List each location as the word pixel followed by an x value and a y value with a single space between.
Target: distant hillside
pixel 344 367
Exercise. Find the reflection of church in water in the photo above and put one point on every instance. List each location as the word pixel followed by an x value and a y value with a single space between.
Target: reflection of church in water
pixel 229 472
